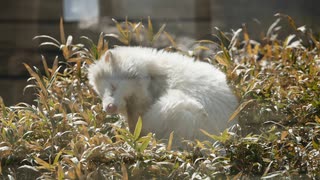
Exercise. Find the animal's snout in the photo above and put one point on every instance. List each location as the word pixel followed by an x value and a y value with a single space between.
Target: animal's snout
pixel 111 108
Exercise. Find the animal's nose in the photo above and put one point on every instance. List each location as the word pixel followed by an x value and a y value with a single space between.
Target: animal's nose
pixel 111 108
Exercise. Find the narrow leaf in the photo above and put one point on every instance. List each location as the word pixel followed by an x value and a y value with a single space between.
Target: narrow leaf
pixel 45 66
pixel 157 35
pixel 60 173
pixel 46 37
pixel 100 43
pixel 137 129
pixel 145 142
pixel 49 44
pixel 43 163
pixel 150 29
pixel 124 172
pixel 223 38
pixel 169 147
pixel 62 34
pixel 239 109
pixel 172 41
pixel 56 159
pixel 55 65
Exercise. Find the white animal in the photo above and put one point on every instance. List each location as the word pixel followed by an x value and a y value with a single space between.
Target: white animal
pixel 171 92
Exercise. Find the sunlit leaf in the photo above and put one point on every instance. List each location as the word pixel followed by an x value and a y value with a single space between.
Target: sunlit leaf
pixel 47 37
pixel 137 129
pixel 240 108
pixel 145 141
pixel 170 140
pixel 49 44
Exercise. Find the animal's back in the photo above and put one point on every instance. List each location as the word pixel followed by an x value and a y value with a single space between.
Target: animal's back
pixel 200 81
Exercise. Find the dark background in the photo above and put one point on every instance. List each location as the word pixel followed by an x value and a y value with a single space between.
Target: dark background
pixel 21 20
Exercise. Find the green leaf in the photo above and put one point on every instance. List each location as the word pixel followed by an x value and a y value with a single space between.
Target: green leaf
pixel 150 29
pixel 223 138
pixel 56 159
pixel 145 142
pixel 138 128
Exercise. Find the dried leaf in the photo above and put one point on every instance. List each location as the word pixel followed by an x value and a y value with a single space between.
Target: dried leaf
pixel 157 35
pixel 100 45
pixel 62 33
pixel 45 66
pixel 124 172
pixel 173 43
pixel 240 108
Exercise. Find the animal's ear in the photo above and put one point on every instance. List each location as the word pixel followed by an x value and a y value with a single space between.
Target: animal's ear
pixel 108 56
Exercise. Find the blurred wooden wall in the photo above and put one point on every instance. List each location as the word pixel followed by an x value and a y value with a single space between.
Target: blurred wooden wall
pixel 21 20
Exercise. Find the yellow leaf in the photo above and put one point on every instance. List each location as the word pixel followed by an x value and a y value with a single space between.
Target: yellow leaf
pixel 284 134
pixel 170 141
pixel 100 43
pixel 173 43
pixel 45 66
pixel 137 129
pixel 222 60
pixel 124 172
pixel 37 77
pixel 44 164
pixel 60 173
pixel 239 109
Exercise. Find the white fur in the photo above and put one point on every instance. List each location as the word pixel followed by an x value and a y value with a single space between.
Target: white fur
pixel 171 92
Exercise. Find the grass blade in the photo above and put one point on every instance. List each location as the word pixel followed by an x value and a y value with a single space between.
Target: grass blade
pixel 62 33
pixel 157 35
pixel 239 109
pixel 169 147
pixel 46 37
pixel 137 129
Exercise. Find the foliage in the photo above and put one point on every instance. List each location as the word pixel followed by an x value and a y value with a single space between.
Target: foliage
pixel 66 135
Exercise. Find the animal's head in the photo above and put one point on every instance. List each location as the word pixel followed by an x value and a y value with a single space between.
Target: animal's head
pixel 116 80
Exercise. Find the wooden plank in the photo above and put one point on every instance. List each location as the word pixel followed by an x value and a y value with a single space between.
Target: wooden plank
pixel 20 35
pixel 12 91
pixel 11 64
pixel 164 9
pixel 52 10
pixel 31 10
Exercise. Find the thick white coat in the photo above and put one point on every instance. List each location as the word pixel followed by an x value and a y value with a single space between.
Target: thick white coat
pixel 171 92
